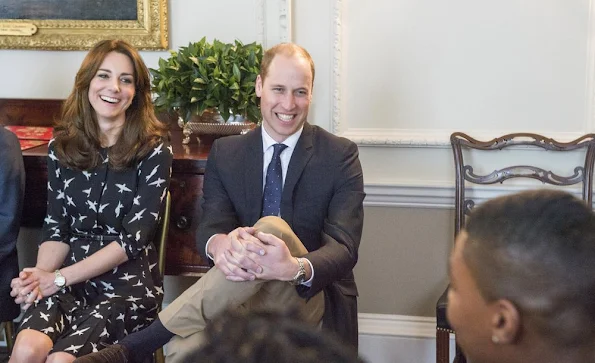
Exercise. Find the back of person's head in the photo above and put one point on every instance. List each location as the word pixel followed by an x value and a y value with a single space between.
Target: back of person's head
pixel 269 336
pixel 536 249
pixel 288 50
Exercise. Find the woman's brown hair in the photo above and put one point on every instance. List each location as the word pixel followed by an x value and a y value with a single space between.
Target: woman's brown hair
pixel 77 135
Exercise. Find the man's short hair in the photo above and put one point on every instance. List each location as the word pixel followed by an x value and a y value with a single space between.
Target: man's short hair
pixel 262 336
pixel 537 249
pixel 286 49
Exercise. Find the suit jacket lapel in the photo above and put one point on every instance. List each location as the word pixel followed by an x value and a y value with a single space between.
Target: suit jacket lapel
pixel 253 174
pixel 299 159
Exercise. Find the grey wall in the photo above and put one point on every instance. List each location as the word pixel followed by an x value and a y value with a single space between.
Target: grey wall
pixel 403 260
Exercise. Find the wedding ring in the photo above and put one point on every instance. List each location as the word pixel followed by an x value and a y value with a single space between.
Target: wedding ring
pixel 29 294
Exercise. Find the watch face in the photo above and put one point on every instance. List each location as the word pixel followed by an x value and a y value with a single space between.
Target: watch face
pixel 60 281
pixel 299 279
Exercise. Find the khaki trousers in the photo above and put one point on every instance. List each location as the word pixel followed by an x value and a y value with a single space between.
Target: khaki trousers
pixel 187 315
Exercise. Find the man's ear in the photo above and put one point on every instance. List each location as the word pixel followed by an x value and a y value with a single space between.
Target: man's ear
pixel 506 322
pixel 258 86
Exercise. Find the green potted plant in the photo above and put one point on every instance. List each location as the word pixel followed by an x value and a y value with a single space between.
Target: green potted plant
pixel 208 77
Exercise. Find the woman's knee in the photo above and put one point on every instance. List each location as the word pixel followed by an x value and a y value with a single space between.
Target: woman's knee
pixel 31 346
pixel 60 357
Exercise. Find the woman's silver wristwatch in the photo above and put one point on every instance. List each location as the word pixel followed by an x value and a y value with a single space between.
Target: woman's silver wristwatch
pixel 59 280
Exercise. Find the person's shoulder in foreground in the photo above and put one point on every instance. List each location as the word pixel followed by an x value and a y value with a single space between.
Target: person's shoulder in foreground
pixel 269 336
pixel 522 280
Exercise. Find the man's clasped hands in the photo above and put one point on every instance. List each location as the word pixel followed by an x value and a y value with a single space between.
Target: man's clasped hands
pixel 247 254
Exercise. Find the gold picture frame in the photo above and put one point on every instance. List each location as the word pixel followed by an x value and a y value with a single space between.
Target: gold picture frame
pixel 148 31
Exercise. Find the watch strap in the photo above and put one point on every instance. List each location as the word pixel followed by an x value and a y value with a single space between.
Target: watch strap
pixel 300 277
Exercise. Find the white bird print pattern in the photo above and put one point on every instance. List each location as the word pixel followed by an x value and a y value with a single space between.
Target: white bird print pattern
pixel 123 188
pixel 49 329
pixel 73 348
pixel 148 177
pixel 158 182
pixel 122 206
pixel 67 183
pixel 156 151
pixel 138 216
pixel 102 207
pixel 49 219
pixel 92 205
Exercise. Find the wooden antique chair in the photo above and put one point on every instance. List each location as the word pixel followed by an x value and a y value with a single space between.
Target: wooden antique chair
pixel 160 241
pixel 580 172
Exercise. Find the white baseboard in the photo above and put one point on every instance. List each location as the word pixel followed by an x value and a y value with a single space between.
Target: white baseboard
pixel 397 325
pixel 385 338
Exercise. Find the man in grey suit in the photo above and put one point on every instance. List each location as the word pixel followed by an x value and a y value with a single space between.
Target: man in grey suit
pixel 12 189
pixel 272 214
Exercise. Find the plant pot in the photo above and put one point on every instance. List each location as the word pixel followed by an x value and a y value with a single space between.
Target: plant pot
pixel 211 124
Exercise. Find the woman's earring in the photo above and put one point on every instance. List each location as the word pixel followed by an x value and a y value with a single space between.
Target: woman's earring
pixel 495 339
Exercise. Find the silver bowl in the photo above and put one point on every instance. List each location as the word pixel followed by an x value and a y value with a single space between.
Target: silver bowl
pixel 211 123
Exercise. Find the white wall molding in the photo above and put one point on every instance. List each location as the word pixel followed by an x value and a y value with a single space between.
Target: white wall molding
pixel 285 21
pixel 590 86
pixel 437 195
pixel 407 138
pixel 260 21
pixel 274 22
pixel 418 195
pixel 336 69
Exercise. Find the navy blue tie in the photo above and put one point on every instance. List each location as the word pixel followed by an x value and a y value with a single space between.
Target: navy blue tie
pixel 274 184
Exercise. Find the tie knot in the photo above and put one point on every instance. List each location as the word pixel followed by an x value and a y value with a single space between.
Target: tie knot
pixel 277 149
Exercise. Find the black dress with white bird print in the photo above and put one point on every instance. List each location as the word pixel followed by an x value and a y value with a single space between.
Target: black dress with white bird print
pixel 122 206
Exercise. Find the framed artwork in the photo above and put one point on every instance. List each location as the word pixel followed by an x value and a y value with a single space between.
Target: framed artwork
pixel 79 24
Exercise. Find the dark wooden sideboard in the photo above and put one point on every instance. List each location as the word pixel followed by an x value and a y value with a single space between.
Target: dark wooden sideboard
pixel 188 167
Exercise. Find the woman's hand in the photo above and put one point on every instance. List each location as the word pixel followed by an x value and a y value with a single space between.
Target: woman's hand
pixel 25 290
pixel 46 285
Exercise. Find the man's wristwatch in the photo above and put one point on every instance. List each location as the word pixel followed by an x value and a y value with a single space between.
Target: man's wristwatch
pixel 59 280
pixel 300 277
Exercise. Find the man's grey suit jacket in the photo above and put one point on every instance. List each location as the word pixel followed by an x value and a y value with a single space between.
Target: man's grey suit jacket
pixel 322 201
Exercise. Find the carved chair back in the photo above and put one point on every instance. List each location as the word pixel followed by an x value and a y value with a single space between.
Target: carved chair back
pixel 465 173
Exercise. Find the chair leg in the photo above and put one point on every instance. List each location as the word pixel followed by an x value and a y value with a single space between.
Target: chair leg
pixel 9 335
pixel 459 356
pixel 159 357
pixel 442 346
